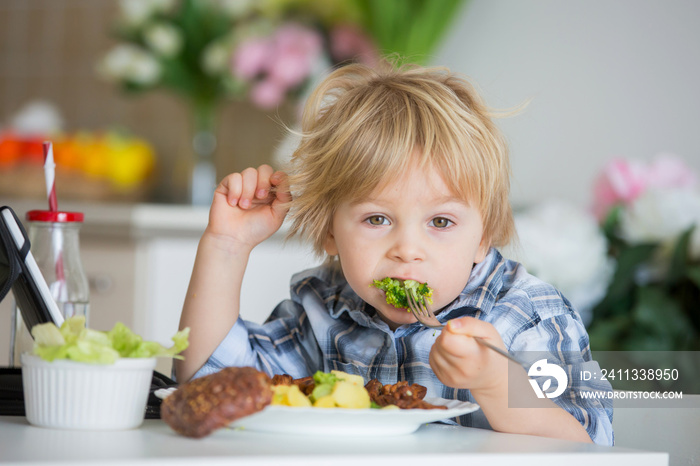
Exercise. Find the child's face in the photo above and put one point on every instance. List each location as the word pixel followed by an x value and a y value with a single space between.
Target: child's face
pixel 412 228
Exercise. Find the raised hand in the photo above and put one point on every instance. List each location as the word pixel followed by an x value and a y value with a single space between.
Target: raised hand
pixel 248 207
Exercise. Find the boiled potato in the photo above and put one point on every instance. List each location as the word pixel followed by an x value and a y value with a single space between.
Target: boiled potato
pixel 356 379
pixel 289 395
pixel 350 395
pixel 296 398
pixel 325 402
pixel 279 395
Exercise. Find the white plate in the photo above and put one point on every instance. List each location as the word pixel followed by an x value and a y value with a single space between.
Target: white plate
pixel 350 422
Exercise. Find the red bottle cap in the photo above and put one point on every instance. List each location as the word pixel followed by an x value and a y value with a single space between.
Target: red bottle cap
pixel 54 216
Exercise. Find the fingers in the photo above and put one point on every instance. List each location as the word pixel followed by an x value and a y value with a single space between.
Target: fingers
pixel 460 361
pixel 455 341
pixel 472 327
pixel 280 181
pixel 249 187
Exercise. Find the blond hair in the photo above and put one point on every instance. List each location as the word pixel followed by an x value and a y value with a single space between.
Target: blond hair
pixel 361 127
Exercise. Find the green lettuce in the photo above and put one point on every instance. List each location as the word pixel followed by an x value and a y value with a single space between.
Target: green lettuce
pixel 76 342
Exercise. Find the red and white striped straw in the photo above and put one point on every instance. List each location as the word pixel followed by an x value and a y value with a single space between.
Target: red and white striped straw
pixel 50 176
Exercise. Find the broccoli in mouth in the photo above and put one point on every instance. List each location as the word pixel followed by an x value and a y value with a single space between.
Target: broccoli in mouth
pixel 396 291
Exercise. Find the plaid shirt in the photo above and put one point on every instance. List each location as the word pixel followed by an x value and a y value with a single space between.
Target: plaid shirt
pixel 326 326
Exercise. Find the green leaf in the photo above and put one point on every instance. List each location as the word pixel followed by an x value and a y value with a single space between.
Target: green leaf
pixel 605 334
pixel 611 220
pixel 679 258
pixel 628 261
pixel 661 319
pixel 410 28
pixel 693 273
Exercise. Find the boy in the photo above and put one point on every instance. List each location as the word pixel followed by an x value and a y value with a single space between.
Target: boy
pixel 400 173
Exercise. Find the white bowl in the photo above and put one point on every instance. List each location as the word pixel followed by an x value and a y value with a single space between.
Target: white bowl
pixel 73 395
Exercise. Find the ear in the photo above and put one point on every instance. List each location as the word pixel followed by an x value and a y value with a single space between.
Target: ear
pixel 483 250
pixel 329 244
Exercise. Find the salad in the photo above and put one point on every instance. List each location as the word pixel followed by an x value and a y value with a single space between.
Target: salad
pixel 76 342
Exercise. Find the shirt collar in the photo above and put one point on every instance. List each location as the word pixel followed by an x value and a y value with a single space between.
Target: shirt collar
pixel 482 289
pixel 328 283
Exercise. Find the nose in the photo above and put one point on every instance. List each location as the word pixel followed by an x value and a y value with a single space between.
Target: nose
pixel 407 245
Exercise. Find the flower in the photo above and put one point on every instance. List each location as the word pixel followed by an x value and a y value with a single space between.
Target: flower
pixel 669 171
pixel 209 50
pixel 275 65
pixel 348 42
pixel 163 38
pixel 251 56
pixel 659 215
pixel 620 181
pixel 631 265
pixel 134 13
pixel 131 64
pixel 563 245
pixel 650 214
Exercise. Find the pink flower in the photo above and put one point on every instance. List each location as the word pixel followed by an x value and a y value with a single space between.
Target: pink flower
pixel 669 171
pixel 267 94
pixel 621 181
pixel 252 57
pixel 296 48
pixel 347 42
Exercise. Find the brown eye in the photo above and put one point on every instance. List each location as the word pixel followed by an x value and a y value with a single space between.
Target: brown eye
pixel 377 220
pixel 441 222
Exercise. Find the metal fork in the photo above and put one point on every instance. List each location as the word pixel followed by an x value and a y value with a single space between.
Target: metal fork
pixel 427 318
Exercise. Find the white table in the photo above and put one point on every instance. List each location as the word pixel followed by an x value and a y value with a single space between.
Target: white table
pixel 155 443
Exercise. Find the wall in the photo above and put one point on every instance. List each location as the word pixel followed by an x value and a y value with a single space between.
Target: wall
pixel 607 79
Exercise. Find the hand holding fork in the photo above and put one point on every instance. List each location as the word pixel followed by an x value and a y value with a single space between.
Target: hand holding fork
pixel 427 318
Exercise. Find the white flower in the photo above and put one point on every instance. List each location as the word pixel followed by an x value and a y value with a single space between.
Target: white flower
pixel 661 215
pixel 236 8
pixel 131 63
pixel 164 39
pixel 114 64
pixel 563 245
pixel 144 70
pixel 136 12
pixel 215 58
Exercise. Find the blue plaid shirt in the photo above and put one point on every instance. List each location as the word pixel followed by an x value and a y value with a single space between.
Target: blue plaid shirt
pixel 326 326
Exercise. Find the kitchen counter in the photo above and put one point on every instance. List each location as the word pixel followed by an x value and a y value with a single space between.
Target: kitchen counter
pixel 155 443
pixel 128 220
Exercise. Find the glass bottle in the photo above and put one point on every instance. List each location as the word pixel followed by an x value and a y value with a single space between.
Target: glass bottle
pixel 55 245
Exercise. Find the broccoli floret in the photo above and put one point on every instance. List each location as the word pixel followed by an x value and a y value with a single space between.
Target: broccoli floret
pixel 395 291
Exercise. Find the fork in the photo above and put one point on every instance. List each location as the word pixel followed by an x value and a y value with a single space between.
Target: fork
pixel 427 318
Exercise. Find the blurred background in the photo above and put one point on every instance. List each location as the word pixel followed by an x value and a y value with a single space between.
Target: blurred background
pixel 606 79
pixel 150 102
